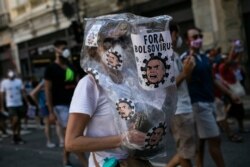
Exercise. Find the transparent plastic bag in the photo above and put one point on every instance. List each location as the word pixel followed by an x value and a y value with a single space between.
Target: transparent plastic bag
pixel 139 100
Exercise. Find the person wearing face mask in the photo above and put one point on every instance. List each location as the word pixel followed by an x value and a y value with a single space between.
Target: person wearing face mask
pixel 182 123
pixel 201 89
pixel 13 93
pixel 92 127
pixel 60 82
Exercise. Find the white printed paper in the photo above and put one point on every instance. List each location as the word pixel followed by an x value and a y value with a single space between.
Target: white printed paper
pixel 154 59
pixel 92 36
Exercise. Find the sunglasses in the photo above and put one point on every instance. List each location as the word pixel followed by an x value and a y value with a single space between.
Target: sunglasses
pixel 197 36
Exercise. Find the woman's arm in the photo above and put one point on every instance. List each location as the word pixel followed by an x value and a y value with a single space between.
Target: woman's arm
pixel 75 141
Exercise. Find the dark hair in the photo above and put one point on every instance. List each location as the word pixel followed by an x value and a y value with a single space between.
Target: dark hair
pixel 157 58
pixel 173 26
pixel 191 28
pixel 60 42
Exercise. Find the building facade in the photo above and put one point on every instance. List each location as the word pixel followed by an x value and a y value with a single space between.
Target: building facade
pixel 7 60
pixel 35 25
pixel 32 26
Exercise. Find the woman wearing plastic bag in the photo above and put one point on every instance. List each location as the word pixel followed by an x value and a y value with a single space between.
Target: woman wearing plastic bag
pixel 111 115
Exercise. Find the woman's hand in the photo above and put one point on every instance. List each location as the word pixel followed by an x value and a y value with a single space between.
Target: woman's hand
pixel 133 139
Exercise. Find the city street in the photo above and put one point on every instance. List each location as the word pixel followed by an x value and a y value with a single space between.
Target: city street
pixel 137 55
pixel 35 154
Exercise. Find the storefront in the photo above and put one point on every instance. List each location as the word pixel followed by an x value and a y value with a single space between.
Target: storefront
pixel 37 53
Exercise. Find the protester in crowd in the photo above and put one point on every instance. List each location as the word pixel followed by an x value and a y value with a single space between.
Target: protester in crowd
pixel 227 71
pixel 221 104
pixel 30 82
pixel 3 118
pixel 182 125
pixel 201 90
pixel 60 82
pixel 38 96
pixel 13 93
pixel 91 125
pixel 33 109
pixel 221 118
pixel 236 55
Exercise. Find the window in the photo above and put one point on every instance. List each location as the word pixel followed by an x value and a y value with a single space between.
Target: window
pixel 36 3
pixel 2 7
pixel 17 3
pixel 20 10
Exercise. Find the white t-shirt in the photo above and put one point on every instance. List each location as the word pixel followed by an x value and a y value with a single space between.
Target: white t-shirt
pixel 183 102
pixel 13 92
pixel 90 99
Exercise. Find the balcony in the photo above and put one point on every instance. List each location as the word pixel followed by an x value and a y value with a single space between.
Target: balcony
pixel 4 20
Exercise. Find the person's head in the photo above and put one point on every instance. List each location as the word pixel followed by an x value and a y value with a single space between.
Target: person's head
pixel 61 49
pixel 211 53
pixel 11 74
pixel 175 35
pixel 194 38
pixel 238 46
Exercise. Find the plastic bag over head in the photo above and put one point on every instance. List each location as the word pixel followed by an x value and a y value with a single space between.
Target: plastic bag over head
pixel 132 59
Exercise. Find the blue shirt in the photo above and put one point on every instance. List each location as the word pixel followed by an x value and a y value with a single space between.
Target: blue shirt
pixel 201 85
pixel 42 99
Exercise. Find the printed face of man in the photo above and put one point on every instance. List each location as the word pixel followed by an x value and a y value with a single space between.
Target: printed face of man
pixel 124 109
pixel 156 136
pixel 112 59
pixel 155 71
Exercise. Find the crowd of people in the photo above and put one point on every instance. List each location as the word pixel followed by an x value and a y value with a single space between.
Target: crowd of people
pixel 205 84
pixel 210 86
pixel 47 101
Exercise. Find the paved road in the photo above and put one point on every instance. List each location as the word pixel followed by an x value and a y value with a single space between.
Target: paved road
pixel 35 154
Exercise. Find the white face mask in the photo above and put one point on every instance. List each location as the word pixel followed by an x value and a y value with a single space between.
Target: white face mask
pixel 66 53
pixel 11 74
pixel 179 42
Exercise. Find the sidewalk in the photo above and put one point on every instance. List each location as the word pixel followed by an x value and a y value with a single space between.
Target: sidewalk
pixel 35 153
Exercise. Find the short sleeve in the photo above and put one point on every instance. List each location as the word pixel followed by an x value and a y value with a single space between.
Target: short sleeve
pixel 2 89
pixel 85 98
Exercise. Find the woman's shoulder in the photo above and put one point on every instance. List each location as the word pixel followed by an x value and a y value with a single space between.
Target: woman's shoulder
pixel 88 80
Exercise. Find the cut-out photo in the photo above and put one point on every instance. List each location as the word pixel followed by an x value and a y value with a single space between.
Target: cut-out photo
pixel 153 50
pixel 155 135
pixel 114 57
pixel 92 35
pixel 125 108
